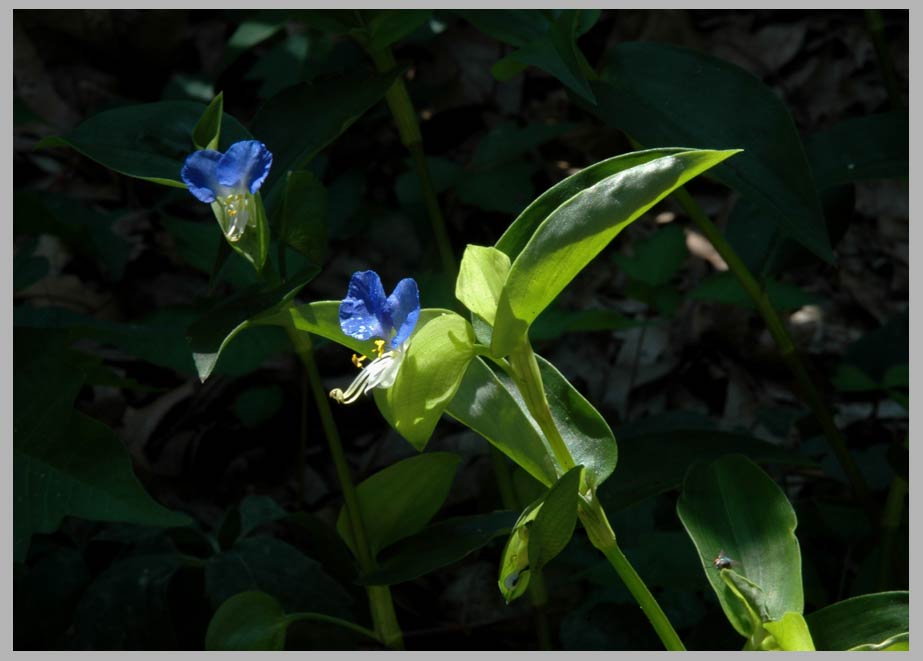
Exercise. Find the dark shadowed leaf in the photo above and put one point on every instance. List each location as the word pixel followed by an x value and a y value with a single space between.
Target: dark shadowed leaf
pixel 665 95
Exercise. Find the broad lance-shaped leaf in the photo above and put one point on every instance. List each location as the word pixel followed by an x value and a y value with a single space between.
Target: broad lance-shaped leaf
pixel 545 39
pixel 576 231
pixel 149 141
pixel 492 406
pixel 321 110
pixel 542 531
pixel 518 234
pixel 438 545
pixel 665 95
pixel 867 622
pixel 731 505
pixel 254 620
pixel 302 223
pixel 555 521
pixel 215 329
pixel 399 500
pixel 64 462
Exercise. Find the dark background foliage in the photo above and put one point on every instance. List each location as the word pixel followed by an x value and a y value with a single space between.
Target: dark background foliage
pixel 120 267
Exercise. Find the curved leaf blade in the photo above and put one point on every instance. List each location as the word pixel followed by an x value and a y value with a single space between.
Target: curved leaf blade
pixel 662 94
pixel 731 505
pixel 868 621
pixel 574 233
pixel 438 545
pixel 149 141
pixel 398 501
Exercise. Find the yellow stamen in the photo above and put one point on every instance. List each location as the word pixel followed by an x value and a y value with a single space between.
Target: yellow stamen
pixel 380 347
pixel 357 360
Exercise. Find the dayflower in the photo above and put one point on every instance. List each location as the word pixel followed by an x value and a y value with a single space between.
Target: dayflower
pixel 366 313
pixel 231 179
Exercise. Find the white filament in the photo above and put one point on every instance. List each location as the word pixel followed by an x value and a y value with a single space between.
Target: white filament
pixel 380 373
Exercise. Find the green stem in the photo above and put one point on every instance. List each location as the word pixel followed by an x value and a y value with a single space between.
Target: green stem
pixel 602 537
pixel 525 372
pixel 876 28
pixel 782 339
pixel 380 602
pixel 528 379
pixel 890 522
pixel 408 128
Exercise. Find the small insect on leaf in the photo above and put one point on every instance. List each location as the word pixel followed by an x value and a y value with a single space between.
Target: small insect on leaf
pixel 722 561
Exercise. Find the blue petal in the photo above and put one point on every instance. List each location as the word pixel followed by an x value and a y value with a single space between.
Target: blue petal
pixel 404 309
pixel 199 173
pixel 364 311
pixel 245 164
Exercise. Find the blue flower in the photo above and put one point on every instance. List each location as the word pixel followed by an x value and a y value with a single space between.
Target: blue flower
pixel 231 179
pixel 366 313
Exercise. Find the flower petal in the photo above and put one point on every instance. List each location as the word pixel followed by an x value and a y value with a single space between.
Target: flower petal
pixel 245 164
pixel 364 311
pixel 404 309
pixel 199 173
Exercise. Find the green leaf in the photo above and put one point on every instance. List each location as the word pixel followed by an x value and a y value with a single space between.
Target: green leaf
pixel 64 462
pixel 585 432
pixel 657 259
pixel 731 505
pixel 208 129
pixel 542 39
pixel 247 621
pixel 576 231
pixel 273 566
pixel 256 511
pixel 481 277
pixel 652 463
pixel 399 500
pixel 514 563
pixel 554 524
pixel 430 373
pixel 870 147
pixel 321 110
pixel 789 634
pixel 213 331
pixel 488 406
pixel 253 620
pixel 518 234
pixel 250 33
pixel 869 621
pixel 653 92
pixel 304 215
pixel 438 545
pixel 149 141
pixel 84 472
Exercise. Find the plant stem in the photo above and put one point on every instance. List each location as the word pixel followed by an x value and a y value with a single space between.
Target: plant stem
pixel 602 537
pixel 876 28
pixel 408 128
pixel 782 339
pixel 527 377
pixel 381 605
pixel 525 372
